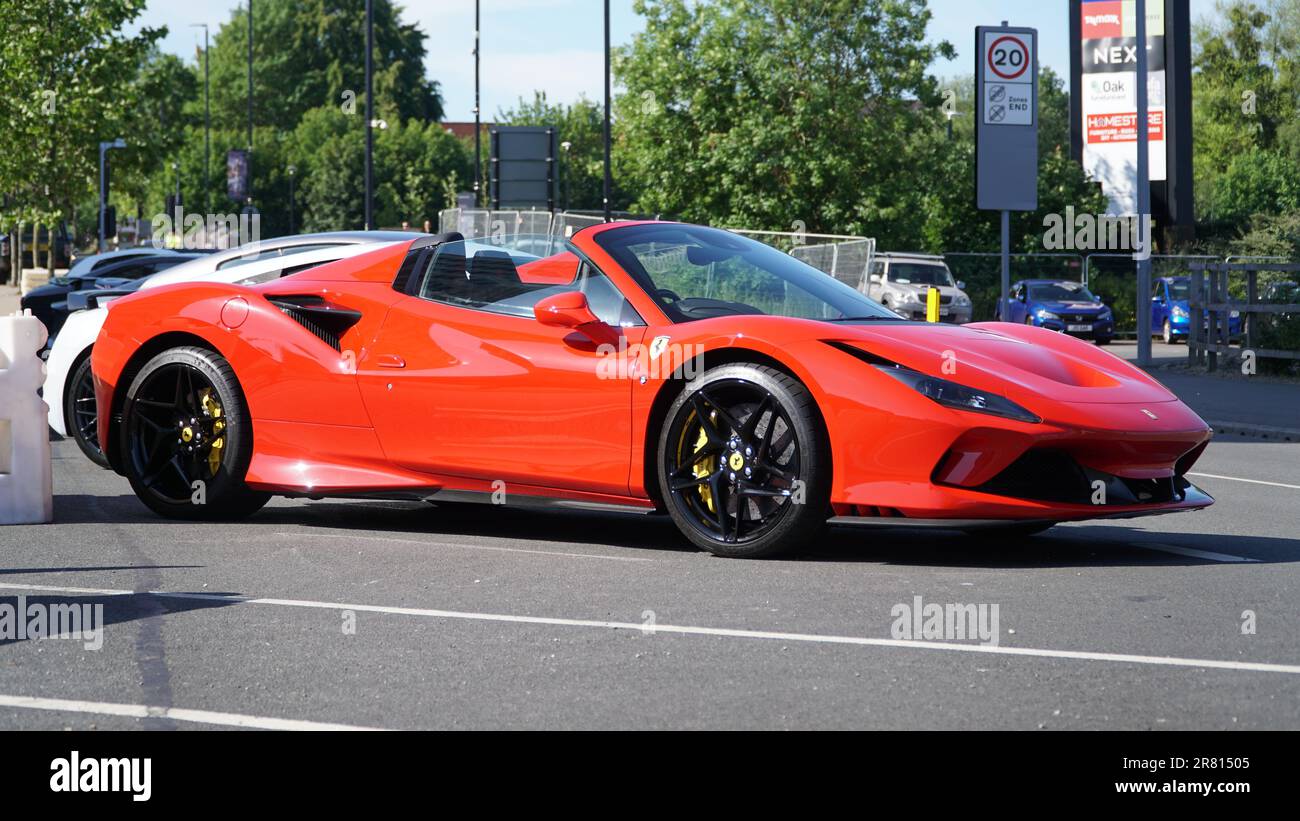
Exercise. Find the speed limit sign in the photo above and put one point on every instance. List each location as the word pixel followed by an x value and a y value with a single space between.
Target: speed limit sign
pixel 1006 118
pixel 1008 77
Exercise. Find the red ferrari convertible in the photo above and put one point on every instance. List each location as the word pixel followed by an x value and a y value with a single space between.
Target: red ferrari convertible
pixel 651 366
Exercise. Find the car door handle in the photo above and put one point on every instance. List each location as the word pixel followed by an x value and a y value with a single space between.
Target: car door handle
pixel 389 360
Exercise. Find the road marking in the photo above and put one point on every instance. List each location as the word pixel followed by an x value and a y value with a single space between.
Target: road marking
pixel 314 534
pixel 107 708
pixel 1250 481
pixel 1199 554
pixel 726 632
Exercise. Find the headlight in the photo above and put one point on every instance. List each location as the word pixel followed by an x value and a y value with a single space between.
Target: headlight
pixel 959 397
pixel 1046 315
pixel 1180 312
pixel 1234 314
pixel 961 300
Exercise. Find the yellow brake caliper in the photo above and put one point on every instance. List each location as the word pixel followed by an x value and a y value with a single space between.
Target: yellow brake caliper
pixel 212 409
pixel 705 466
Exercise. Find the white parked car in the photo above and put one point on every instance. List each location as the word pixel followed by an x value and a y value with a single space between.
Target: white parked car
pixel 900 282
pixel 69 386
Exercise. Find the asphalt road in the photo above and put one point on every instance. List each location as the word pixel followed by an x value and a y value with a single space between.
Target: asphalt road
pixel 483 617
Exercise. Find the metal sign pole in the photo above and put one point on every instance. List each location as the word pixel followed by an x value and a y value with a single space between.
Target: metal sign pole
pixel 1006 263
pixel 1143 196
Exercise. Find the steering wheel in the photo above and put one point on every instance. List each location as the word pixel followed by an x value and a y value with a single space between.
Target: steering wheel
pixel 668 294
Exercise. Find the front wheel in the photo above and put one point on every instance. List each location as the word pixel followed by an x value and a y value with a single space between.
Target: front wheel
pixel 1167 333
pixel 187 437
pixel 744 462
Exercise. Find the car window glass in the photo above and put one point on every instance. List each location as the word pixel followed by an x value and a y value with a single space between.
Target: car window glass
pixel 1061 292
pixel 909 273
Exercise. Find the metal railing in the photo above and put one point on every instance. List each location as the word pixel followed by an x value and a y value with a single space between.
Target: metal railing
pixel 1210 307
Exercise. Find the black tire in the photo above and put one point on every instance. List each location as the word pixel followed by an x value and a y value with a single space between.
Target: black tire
pixel 1167 333
pixel 1011 532
pixel 1103 340
pixel 764 421
pixel 79 415
pixel 183 406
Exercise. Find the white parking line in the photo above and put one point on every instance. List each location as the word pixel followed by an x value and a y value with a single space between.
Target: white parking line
pixel 1248 481
pixel 108 708
pixel 314 534
pixel 727 632
pixel 1199 554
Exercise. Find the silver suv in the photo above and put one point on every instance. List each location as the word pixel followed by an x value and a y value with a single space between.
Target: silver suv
pixel 900 283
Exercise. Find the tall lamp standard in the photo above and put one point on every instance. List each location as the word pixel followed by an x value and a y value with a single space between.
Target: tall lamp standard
pixel 478 128
pixel 292 170
pixel 609 178
pixel 104 148
pixel 207 124
pixel 370 113
pixel 566 145
pixel 250 102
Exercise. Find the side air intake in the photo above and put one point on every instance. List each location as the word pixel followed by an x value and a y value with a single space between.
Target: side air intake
pixel 325 320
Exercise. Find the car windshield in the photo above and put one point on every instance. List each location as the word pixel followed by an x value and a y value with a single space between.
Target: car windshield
pixel 1179 290
pixel 1060 292
pixel 917 273
pixel 698 273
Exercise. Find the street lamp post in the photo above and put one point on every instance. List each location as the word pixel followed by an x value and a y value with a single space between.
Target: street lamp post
pixel 292 170
pixel 104 148
pixel 1143 195
pixel 250 102
pixel 478 128
pixel 609 178
pixel 207 125
pixel 564 179
pixel 370 113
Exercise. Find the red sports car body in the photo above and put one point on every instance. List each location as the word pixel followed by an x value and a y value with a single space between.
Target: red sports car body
pixel 643 365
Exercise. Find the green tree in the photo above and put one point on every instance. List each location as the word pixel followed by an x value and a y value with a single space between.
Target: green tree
pixel 777 113
pixel 310 53
pixel 1245 106
pixel 65 66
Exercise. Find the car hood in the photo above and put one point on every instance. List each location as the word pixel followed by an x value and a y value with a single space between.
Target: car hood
pixel 1057 307
pixel 944 290
pixel 1023 363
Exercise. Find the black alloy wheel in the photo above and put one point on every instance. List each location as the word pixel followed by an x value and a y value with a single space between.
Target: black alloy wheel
pixel 743 462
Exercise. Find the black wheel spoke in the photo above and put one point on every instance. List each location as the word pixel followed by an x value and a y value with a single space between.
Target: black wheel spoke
pixel 711 432
pixel 751 424
pixel 724 415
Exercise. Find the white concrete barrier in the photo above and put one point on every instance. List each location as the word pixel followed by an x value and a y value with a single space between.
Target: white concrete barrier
pixel 26 479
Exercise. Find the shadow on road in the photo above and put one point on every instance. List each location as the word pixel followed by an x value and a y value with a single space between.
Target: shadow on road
pixel 1092 545
pixel 118 609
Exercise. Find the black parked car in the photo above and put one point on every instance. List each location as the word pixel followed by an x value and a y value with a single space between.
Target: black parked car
pixel 48 303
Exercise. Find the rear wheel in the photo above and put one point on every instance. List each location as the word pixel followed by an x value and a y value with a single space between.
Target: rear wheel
pixel 744 465
pixel 79 414
pixel 187 437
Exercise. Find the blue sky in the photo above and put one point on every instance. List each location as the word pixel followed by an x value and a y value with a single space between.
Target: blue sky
pixel 555 45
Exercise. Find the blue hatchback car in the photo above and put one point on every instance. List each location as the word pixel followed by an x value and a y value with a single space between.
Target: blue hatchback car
pixel 1060 305
pixel 1169 313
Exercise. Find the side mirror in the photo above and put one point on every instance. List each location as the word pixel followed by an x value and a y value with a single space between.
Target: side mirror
pixel 566 310
pixel 1021 297
pixel 961 286
pixel 874 279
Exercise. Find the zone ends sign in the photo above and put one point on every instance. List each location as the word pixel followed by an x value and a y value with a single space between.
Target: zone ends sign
pixel 1006 118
